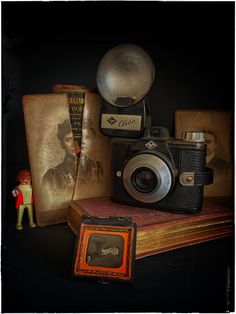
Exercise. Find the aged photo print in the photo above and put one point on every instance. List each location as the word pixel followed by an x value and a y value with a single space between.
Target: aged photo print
pixel 217 128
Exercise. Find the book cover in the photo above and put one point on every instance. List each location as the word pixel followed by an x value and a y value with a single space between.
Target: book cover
pixel 58 172
pixel 159 231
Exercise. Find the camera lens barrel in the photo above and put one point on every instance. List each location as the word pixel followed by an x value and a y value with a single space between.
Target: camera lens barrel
pixel 147 178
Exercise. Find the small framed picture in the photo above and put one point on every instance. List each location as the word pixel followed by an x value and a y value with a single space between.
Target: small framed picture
pixel 105 249
pixel 217 126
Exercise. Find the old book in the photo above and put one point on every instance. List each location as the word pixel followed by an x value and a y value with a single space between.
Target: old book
pixel 159 231
pixel 58 174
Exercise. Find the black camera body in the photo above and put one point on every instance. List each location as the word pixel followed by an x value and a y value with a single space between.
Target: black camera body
pixel 160 172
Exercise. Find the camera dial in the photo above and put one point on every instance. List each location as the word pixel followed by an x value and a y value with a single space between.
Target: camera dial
pixel 147 178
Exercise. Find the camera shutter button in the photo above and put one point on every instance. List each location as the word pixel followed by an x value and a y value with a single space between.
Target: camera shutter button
pixel 189 179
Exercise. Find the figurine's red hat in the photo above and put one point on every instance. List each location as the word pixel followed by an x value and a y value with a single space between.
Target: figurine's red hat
pixel 24 174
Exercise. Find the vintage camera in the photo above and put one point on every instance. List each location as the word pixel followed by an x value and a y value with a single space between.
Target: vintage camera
pixel 160 172
pixel 124 77
pixel 149 169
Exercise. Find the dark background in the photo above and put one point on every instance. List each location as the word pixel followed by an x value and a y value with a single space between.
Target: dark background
pixel 48 43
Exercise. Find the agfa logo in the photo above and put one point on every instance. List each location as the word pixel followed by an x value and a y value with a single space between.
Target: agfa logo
pixel 112 120
pixel 151 145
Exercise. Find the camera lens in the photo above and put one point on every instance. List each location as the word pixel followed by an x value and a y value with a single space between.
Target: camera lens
pixel 144 180
pixel 147 178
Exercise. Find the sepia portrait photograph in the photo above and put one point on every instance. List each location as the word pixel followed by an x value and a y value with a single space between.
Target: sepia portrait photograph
pixel 216 126
pixel 93 174
pixel 89 168
pixel 51 153
pixel 59 172
pixel 60 179
pixel 105 250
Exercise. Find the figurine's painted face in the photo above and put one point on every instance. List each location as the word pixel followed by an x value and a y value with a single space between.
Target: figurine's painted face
pixel 68 144
pixel 26 180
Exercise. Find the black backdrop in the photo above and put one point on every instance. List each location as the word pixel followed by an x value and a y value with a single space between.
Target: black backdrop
pixel 47 43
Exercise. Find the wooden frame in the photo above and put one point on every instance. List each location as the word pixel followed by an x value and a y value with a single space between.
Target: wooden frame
pixel 105 249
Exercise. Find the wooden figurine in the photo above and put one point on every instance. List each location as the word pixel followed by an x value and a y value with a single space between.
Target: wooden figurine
pixel 24 198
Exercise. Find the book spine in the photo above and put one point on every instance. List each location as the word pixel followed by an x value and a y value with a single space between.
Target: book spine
pixel 76 101
pixel 74 217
